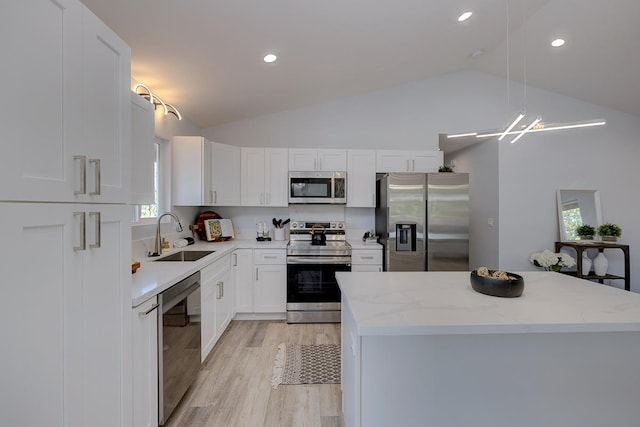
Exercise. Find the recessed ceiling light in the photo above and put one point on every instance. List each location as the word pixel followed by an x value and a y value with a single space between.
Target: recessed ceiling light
pixel 464 16
pixel 558 43
pixel 476 53
pixel 270 58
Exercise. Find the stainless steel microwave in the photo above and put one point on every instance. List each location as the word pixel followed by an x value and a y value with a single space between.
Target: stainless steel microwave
pixel 318 188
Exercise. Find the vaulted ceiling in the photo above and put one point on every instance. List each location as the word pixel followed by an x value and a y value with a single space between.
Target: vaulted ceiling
pixel 205 57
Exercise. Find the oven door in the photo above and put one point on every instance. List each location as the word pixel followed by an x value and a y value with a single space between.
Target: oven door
pixel 313 279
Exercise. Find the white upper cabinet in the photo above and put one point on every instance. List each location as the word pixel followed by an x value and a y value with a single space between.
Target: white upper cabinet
pixel 65 60
pixel 225 175
pixel 41 54
pixel 204 173
pixel 408 161
pixel 106 111
pixel 361 178
pixel 264 176
pixel 142 151
pixel 305 159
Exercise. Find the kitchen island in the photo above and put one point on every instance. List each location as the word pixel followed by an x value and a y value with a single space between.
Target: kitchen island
pixel 425 349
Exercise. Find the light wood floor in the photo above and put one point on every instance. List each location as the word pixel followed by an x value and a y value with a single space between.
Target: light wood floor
pixel 233 388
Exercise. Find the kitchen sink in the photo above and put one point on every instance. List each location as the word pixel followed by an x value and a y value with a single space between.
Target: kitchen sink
pixel 185 256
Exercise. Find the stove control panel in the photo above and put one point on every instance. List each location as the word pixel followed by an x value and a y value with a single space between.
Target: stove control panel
pixel 308 225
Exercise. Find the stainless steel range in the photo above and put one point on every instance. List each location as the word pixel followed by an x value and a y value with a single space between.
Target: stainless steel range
pixel 316 251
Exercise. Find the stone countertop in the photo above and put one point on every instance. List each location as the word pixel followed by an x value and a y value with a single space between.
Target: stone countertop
pixel 153 277
pixel 443 303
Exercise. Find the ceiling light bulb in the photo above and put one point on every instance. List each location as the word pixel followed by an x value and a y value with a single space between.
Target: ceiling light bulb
pixel 464 16
pixel 558 42
pixel 270 58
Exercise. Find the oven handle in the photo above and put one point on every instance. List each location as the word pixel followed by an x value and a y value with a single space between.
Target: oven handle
pixel 318 260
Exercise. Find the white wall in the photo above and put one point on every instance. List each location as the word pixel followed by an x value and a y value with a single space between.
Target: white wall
pixel 481 162
pixel 529 172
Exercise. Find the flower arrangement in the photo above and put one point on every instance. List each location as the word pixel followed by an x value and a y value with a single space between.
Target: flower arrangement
pixel 552 261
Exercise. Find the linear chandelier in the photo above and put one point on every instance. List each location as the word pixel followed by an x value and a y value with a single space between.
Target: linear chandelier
pixel 536 126
pixel 155 100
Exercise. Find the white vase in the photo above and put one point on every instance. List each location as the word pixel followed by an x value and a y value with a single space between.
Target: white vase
pixel 586 263
pixel 600 264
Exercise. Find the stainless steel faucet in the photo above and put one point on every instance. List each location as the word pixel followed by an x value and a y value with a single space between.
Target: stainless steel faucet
pixel 158 244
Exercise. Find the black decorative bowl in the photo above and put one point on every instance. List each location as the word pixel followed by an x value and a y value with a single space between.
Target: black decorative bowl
pixel 497 287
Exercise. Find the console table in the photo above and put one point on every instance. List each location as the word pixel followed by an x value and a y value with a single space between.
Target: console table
pixel 581 246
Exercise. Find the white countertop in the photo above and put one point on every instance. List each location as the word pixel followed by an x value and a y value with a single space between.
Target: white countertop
pixel 360 244
pixel 443 303
pixel 155 277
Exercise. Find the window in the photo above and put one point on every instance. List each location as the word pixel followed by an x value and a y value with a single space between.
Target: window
pixel 151 211
pixel 148 213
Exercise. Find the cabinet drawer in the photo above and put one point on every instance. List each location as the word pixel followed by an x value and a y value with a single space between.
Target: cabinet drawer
pixel 366 256
pixel 216 266
pixel 269 256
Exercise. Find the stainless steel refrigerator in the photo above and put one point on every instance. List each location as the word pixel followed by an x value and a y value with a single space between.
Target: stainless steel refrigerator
pixel 423 221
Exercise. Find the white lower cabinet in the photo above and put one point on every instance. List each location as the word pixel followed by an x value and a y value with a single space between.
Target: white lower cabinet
pixel 68 351
pixel 145 364
pixel 215 304
pixel 261 280
pixel 366 260
pixel 270 287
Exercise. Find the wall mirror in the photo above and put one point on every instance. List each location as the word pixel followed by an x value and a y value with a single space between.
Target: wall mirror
pixel 577 207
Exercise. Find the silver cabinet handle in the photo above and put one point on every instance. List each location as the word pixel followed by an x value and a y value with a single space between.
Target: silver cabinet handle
pixel 256 273
pixel 270 257
pixel 219 293
pixel 153 307
pixel 414 165
pixel 222 296
pixel 96 168
pixel 83 231
pixel 211 196
pixel 98 235
pixel 215 196
pixel 235 260
pixel 366 257
pixel 407 165
pixel 83 174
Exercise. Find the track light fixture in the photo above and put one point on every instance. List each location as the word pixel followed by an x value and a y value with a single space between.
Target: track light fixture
pixel 146 93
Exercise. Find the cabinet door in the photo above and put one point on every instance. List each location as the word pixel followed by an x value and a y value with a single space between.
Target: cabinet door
pixel 243 280
pixel 302 159
pixel 392 161
pixel 361 178
pixel 106 111
pixel 332 160
pixel 39 313
pixel 270 290
pixel 208 293
pixel 188 155
pixel 223 302
pixel 427 161
pixel 79 309
pixel 106 317
pixel 145 364
pixel 276 176
pixel 142 151
pixel 252 181
pixel 225 174
pixel 41 57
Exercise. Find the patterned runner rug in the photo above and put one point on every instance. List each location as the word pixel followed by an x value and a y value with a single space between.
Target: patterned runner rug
pixel 307 364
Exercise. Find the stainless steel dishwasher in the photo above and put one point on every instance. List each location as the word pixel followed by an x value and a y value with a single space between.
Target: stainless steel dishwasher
pixel 178 344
